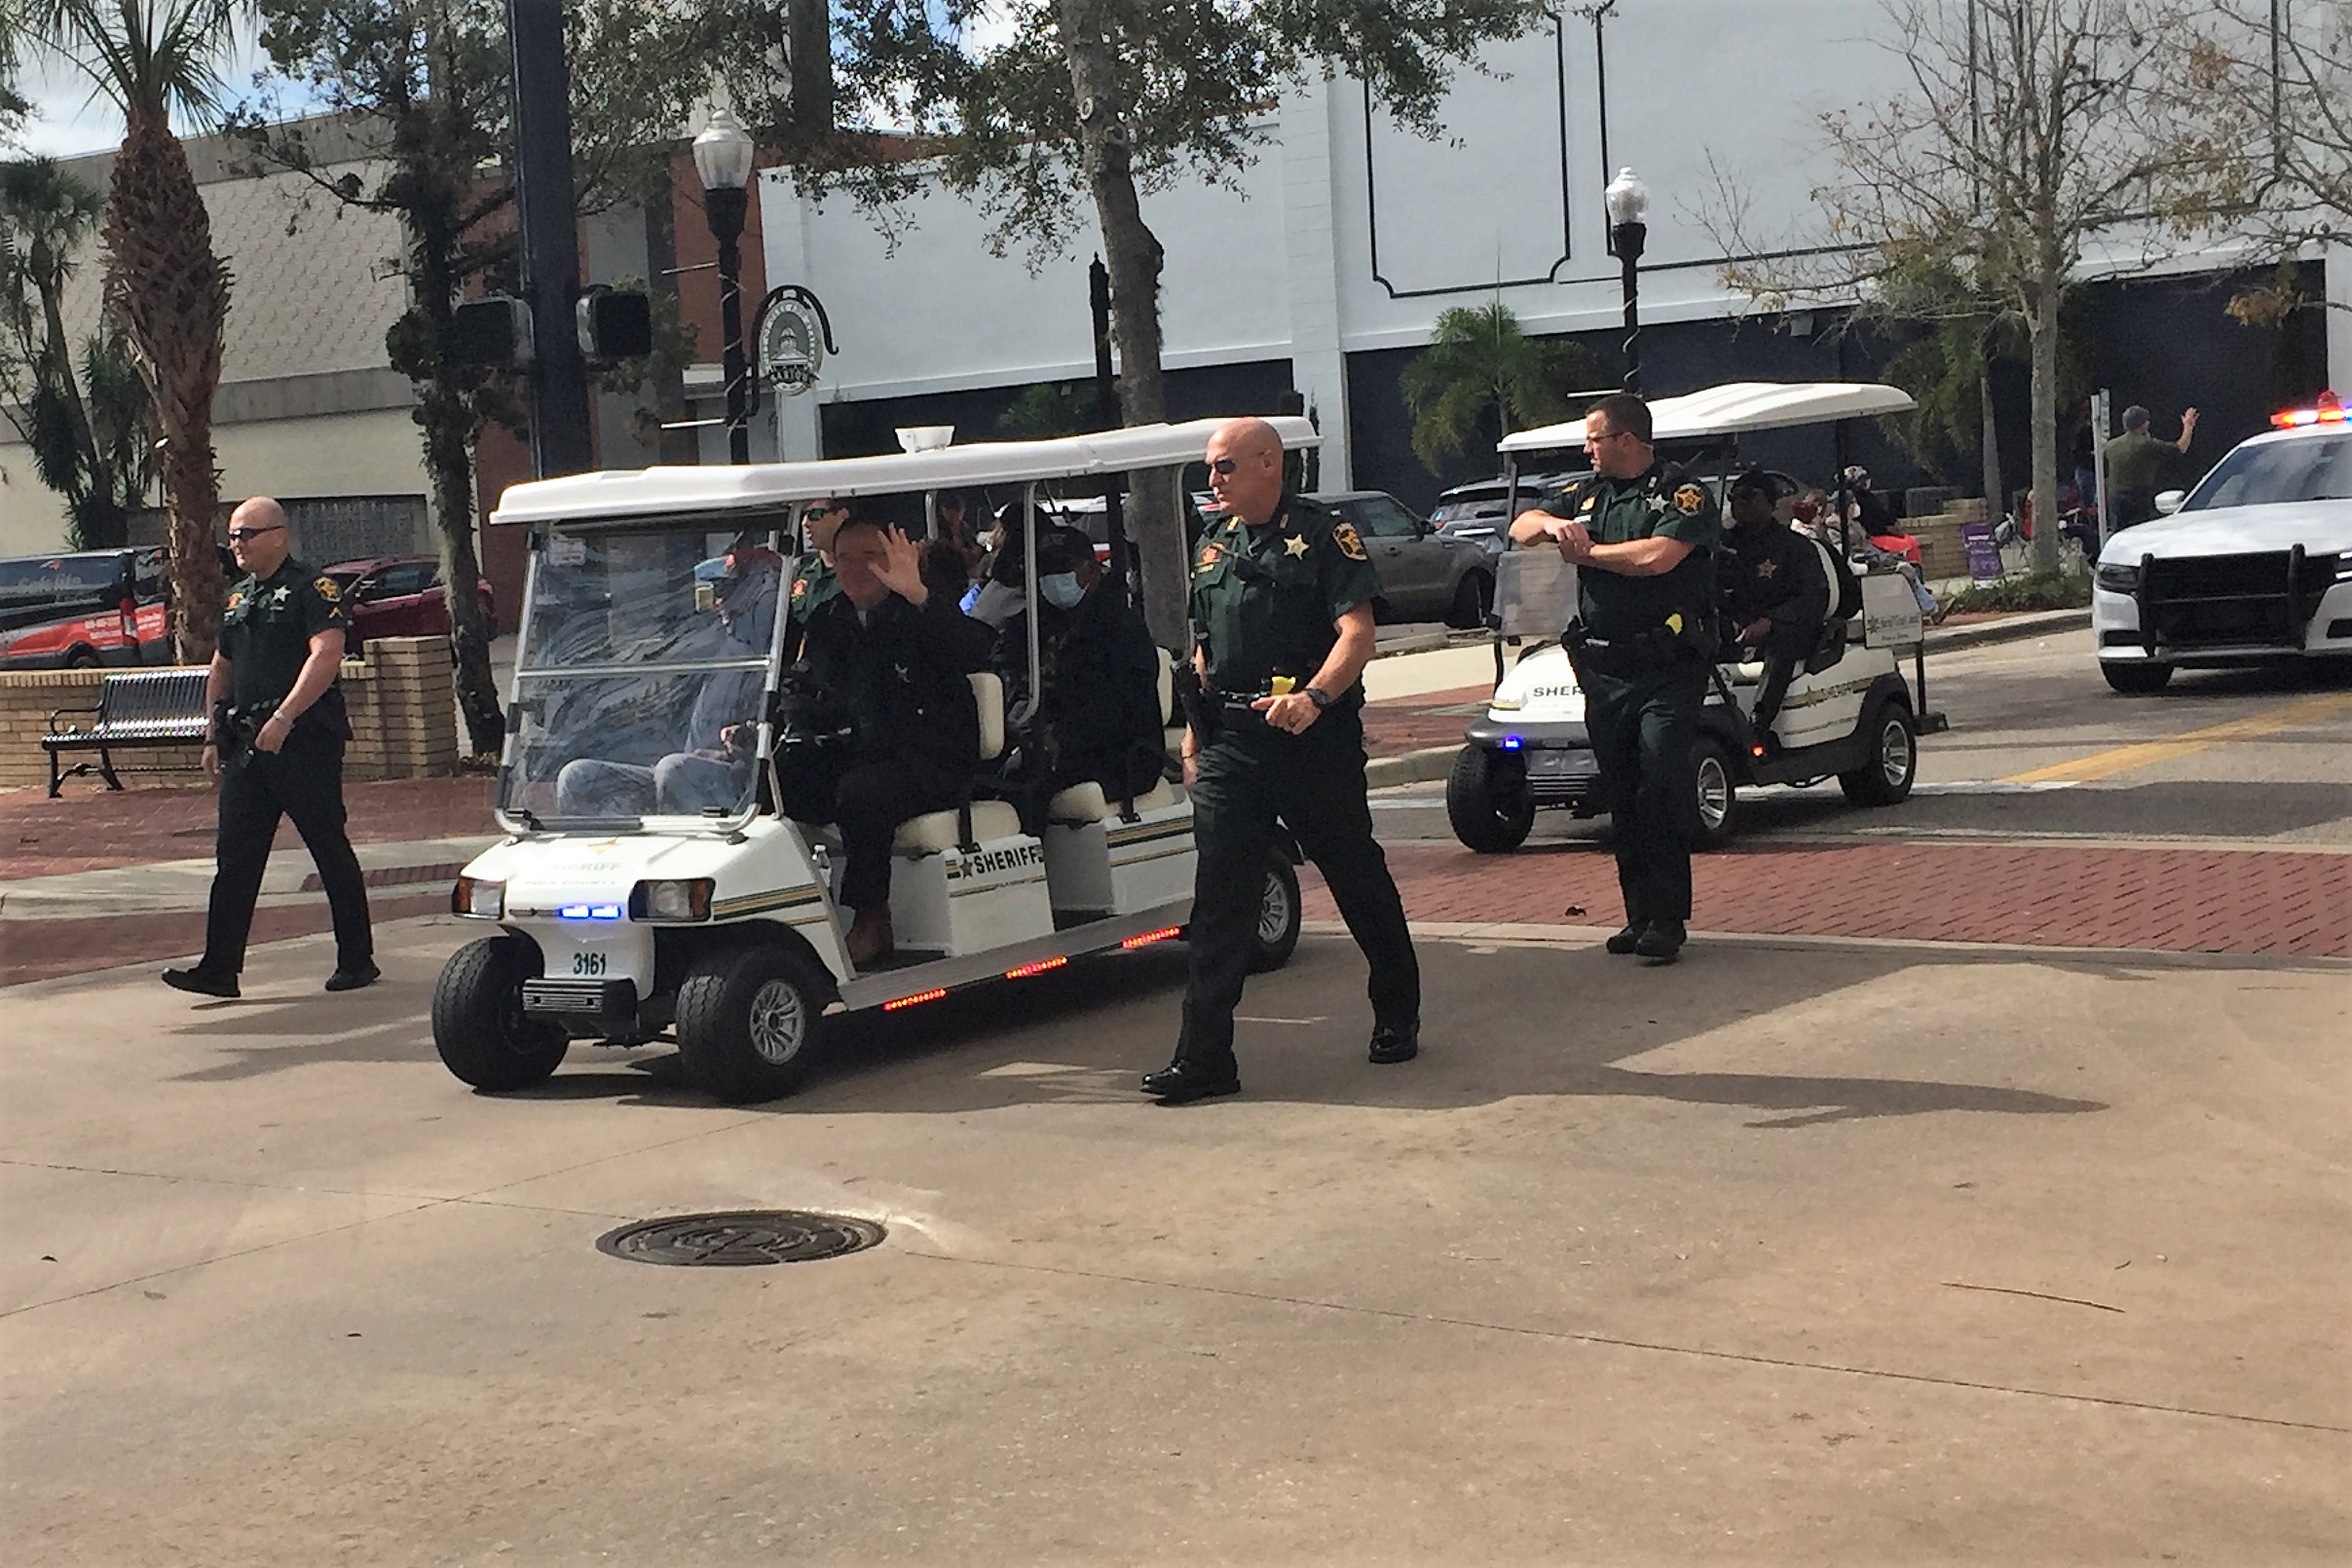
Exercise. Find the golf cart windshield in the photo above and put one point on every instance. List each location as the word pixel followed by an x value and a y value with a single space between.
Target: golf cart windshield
pixel 641 678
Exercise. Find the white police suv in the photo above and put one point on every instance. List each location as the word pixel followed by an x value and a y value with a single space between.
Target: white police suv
pixel 2253 565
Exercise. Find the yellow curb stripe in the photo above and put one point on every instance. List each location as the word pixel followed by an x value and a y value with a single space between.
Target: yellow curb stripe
pixel 2146 753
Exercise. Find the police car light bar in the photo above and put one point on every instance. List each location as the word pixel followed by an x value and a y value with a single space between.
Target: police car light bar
pixel 2327 410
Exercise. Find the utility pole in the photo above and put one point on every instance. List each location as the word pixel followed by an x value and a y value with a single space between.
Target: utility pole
pixel 558 379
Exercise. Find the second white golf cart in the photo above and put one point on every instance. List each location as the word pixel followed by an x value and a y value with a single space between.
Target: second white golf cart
pixel 1850 713
pixel 631 914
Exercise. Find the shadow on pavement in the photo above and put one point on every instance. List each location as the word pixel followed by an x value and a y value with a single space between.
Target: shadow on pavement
pixel 1502 1022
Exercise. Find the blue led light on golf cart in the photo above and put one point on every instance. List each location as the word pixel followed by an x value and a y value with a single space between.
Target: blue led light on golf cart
pixel 1510 743
pixel 589 912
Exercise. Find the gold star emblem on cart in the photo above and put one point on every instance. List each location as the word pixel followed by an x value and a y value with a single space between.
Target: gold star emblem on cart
pixel 1295 545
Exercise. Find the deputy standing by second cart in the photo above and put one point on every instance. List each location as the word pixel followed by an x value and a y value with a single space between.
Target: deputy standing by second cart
pixel 1281 598
pixel 1640 534
pixel 279 729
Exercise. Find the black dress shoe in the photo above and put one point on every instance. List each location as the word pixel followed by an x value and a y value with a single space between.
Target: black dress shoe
pixel 353 979
pixel 1395 1045
pixel 203 981
pixel 1627 940
pixel 1182 1082
pixel 1661 940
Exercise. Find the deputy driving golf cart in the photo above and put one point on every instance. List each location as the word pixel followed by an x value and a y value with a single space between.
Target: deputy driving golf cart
pixel 649 887
pixel 1850 713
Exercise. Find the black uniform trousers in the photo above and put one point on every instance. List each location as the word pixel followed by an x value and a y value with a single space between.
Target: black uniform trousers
pixel 867 798
pixel 302 780
pixel 1250 777
pixel 1783 649
pixel 1642 719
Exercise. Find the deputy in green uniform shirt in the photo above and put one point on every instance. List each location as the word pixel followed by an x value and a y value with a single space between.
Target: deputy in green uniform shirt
pixel 278 731
pixel 1282 600
pixel 2135 462
pixel 811 582
pixel 1640 534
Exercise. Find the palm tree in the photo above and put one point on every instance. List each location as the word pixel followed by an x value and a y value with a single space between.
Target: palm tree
pixel 164 286
pixel 1477 363
pixel 88 445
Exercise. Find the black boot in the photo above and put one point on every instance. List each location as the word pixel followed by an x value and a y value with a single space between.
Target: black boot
pixel 1629 939
pixel 1187 1079
pixel 203 981
pixel 1662 940
pixel 1391 1045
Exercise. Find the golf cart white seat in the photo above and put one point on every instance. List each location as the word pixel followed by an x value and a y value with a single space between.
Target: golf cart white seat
pixel 1086 803
pixel 935 833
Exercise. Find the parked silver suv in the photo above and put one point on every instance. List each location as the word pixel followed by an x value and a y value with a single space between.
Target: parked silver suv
pixel 1424 575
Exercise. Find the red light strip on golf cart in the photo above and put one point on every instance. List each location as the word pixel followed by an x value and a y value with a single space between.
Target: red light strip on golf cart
pixel 919 996
pixel 1165 934
pixel 1037 968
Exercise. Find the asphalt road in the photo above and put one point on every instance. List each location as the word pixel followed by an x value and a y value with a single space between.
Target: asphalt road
pixel 2040 749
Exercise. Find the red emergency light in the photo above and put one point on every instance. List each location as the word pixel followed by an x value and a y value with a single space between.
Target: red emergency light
pixel 2327 410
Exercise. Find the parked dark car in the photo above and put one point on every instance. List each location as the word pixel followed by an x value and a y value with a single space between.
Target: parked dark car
pixel 401 596
pixel 1424 575
pixel 1478 511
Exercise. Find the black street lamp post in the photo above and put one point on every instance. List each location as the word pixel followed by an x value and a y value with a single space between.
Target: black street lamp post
pixel 1629 200
pixel 723 157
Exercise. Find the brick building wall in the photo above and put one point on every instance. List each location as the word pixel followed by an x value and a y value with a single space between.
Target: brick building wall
pixel 401 697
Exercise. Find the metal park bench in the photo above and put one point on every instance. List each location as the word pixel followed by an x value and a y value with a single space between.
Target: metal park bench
pixel 146 708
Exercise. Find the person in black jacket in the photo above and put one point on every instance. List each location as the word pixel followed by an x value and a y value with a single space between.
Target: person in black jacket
pixel 896 657
pixel 1100 715
pixel 1773 596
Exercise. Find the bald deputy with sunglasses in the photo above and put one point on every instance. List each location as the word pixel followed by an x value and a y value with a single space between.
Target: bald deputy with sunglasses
pixel 278 734
pixel 1282 600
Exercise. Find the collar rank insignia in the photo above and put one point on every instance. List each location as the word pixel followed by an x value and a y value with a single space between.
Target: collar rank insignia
pixel 1350 545
pixel 1295 545
pixel 1689 499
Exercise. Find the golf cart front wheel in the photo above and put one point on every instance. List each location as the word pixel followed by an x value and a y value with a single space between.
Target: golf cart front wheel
pixel 1487 802
pixel 1894 757
pixel 1716 791
pixel 479 1027
pixel 1279 913
pixel 748 1018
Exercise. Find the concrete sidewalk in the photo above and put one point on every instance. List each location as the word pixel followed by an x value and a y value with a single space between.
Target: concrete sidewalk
pixel 1847 1254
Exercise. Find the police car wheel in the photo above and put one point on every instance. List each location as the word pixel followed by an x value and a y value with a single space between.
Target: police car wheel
pixel 1718 795
pixel 1894 757
pixel 1279 916
pixel 2137 679
pixel 747 1022
pixel 478 1022
pixel 1487 802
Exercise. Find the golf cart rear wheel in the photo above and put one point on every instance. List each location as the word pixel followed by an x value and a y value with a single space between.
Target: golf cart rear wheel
pixel 1279 913
pixel 1894 757
pixel 1716 793
pixel 2139 680
pixel 748 1018
pixel 1487 802
pixel 479 1024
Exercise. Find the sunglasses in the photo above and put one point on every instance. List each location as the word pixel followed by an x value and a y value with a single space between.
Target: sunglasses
pixel 237 536
pixel 1224 468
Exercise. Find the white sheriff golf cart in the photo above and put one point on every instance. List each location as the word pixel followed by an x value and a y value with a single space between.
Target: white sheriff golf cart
pixel 1850 714
pixel 648 911
pixel 2252 567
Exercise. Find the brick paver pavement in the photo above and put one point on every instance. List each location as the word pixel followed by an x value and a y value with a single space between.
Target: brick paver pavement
pixel 96 829
pixel 1400 724
pixel 2173 900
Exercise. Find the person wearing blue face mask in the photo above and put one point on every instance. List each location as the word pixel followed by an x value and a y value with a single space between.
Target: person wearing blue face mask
pixel 1099 716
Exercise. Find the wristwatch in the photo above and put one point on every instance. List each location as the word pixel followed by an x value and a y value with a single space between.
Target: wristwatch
pixel 1320 697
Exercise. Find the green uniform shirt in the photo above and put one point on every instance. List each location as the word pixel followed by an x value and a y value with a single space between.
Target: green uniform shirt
pixel 1266 598
pixel 2135 458
pixel 266 632
pixel 1660 504
pixel 810 586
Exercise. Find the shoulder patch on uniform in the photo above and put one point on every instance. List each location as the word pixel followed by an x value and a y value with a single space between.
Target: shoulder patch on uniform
pixel 237 596
pixel 1689 500
pixel 800 587
pixel 1211 554
pixel 328 589
pixel 1350 545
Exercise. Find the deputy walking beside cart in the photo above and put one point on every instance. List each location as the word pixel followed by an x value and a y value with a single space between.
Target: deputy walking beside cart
pixel 1282 600
pixel 1639 534
pixel 278 731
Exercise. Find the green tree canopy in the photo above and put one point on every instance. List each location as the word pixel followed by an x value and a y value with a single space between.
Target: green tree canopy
pixel 1479 367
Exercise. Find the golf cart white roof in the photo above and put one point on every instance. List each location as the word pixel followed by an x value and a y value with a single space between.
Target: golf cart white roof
pixel 1734 408
pixel 620 494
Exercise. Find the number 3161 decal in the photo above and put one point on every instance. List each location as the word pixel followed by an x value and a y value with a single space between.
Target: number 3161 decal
pixel 587 964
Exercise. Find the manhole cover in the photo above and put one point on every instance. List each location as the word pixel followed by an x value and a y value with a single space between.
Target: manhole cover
pixel 739 1239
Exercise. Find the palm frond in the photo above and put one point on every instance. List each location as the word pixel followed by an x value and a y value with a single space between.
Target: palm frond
pixel 153 59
